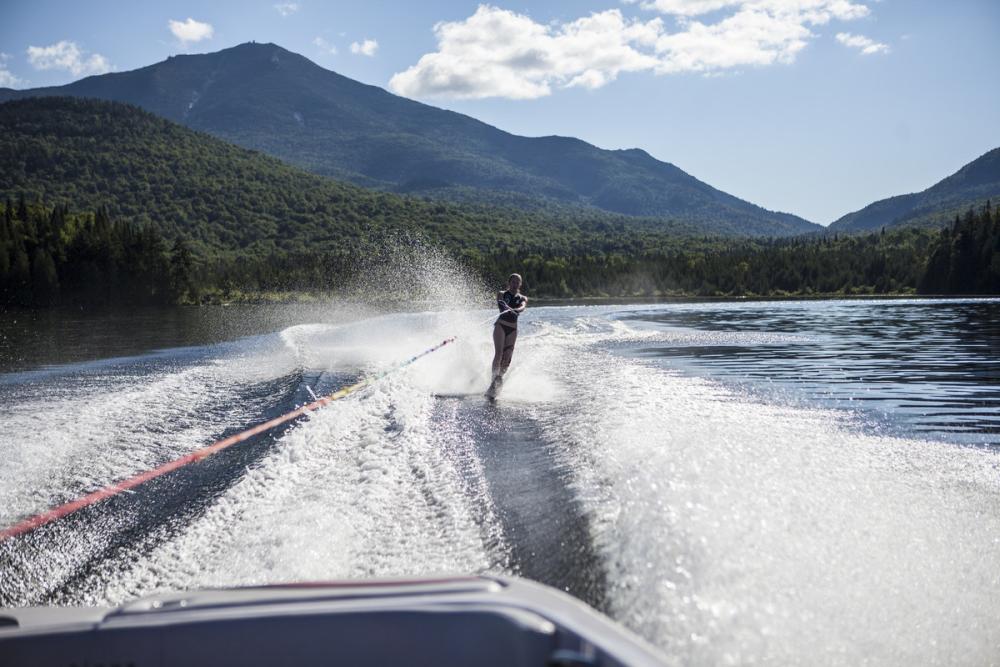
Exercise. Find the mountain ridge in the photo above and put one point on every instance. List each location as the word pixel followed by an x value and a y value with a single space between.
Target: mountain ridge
pixel 974 183
pixel 86 154
pixel 263 97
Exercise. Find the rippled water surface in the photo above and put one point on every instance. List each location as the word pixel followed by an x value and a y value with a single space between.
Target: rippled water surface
pixel 927 368
pixel 750 482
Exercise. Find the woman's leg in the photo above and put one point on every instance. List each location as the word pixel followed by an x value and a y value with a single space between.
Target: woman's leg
pixel 508 350
pixel 498 343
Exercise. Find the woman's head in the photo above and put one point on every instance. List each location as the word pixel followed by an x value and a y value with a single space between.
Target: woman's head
pixel 514 282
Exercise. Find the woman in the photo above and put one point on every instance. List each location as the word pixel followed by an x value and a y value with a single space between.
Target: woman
pixel 512 303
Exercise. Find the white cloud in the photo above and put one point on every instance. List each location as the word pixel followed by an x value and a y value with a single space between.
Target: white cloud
pixel 757 33
pixel 325 46
pixel 7 78
pixel 864 44
pixel 287 8
pixel 686 7
pixel 499 53
pixel 367 47
pixel 190 30
pixel 68 56
pixel 811 11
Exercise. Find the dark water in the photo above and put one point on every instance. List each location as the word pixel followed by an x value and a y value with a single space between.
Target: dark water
pixel 34 339
pixel 920 368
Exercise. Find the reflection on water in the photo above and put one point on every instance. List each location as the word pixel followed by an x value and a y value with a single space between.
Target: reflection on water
pixel 927 368
pixel 32 339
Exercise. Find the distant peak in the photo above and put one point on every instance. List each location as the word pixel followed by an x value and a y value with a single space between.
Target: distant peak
pixel 248 49
pixel 635 151
pixel 256 45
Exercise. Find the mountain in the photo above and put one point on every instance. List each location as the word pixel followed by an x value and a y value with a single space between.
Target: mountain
pixel 264 97
pixel 970 186
pixel 85 154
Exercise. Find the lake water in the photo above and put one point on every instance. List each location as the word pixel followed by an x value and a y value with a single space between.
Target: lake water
pixel 927 369
pixel 790 482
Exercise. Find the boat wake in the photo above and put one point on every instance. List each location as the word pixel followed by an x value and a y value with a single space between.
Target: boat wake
pixel 721 527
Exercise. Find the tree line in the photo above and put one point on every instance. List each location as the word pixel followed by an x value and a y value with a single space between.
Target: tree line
pixel 50 255
pixel 888 263
pixel 965 257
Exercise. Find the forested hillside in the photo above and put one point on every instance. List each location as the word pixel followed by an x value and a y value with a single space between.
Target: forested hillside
pixel 264 97
pixel 50 256
pixel 107 202
pixel 88 154
pixel 971 185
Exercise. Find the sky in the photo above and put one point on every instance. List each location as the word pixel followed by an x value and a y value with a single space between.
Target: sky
pixel 814 107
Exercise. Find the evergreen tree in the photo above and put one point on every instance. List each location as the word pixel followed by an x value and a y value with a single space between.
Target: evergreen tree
pixel 182 283
pixel 965 257
pixel 6 244
pixel 44 280
pixel 22 208
pixel 19 284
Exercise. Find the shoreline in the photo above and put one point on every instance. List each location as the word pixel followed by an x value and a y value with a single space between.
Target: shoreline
pixel 319 299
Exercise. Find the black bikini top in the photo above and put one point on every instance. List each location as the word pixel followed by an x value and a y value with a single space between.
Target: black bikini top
pixel 509 300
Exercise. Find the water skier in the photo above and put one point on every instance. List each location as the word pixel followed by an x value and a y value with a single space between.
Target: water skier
pixel 512 303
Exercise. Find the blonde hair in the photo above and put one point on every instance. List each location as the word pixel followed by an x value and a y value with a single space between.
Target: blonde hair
pixel 515 275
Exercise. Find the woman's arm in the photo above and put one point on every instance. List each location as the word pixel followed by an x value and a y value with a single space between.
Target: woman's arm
pixel 524 304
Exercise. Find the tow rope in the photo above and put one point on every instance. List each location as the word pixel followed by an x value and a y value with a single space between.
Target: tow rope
pixel 61 511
